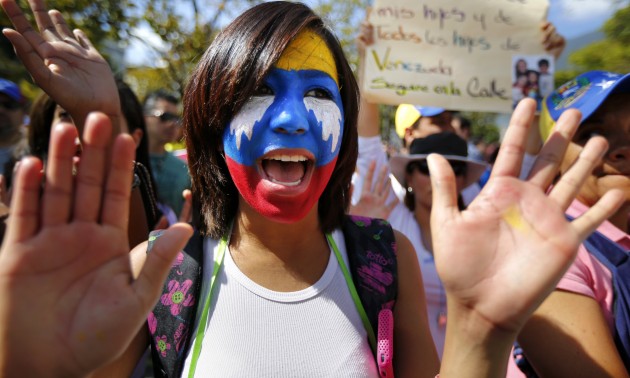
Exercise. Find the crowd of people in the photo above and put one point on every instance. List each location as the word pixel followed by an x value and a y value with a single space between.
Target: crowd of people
pixel 288 242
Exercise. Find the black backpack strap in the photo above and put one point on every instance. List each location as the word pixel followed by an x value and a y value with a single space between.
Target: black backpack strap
pixel 172 321
pixel 617 261
pixel 371 249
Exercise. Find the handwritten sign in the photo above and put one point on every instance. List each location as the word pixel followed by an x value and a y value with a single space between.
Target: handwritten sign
pixel 450 53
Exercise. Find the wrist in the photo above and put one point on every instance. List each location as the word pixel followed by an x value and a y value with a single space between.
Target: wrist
pixel 474 345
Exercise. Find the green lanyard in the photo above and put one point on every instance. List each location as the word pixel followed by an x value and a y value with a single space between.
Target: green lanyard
pixel 218 262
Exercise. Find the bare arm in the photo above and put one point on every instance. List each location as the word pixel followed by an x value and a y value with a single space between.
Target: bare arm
pixel 369 117
pixel 414 353
pixel 569 337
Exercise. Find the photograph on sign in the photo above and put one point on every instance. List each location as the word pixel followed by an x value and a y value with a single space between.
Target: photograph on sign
pixel 532 77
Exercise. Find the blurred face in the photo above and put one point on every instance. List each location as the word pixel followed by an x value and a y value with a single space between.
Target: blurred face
pixel 61 115
pixel 433 125
pixel 611 121
pixel 419 180
pixel 162 122
pixel 282 146
pixel 11 115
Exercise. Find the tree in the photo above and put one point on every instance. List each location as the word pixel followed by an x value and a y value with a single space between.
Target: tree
pixel 609 54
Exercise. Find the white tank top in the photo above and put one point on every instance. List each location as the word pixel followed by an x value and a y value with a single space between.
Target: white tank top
pixel 256 332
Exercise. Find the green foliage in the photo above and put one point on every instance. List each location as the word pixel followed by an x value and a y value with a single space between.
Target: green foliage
pixel 610 54
pixel 618 27
pixel 483 126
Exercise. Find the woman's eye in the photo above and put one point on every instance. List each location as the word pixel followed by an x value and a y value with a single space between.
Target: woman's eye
pixel 318 93
pixel 263 90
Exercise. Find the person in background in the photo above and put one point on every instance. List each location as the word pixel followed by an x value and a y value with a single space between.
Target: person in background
pixel 463 128
pixel 545 79
pixel 161 112
pixel 413 121
pixel 411 216
pixel 573 333
pixel 12 115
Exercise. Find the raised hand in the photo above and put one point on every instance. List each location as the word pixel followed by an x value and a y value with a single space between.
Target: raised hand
pixel 373 202
pixel 67 293
pixel 63 63
pixel 503 255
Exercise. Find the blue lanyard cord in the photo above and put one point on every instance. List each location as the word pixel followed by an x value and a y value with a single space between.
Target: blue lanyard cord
pixel 218 262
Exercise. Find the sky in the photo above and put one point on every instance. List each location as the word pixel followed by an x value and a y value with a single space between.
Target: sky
pixel 572 18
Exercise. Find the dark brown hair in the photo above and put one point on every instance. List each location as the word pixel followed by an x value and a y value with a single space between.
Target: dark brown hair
pixel 232 68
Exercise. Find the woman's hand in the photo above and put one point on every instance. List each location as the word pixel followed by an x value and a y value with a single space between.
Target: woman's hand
pixel 63 63
pixel 373 202
pixel 505 253
pixel 67 292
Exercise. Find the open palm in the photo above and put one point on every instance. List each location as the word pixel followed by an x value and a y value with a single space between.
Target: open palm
pixel 504 254
pixel 68 295
pixel 63 63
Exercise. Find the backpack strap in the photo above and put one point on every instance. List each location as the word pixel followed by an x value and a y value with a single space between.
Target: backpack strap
pixel 371 247
pixel 616 259
pixel 172 321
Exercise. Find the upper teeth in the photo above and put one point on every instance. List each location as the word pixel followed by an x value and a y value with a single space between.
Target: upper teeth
pixel 294 158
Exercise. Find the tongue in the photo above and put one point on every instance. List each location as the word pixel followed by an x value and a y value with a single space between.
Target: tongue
pixel 288 172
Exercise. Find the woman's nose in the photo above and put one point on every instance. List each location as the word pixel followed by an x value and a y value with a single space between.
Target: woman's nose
pixel 291 118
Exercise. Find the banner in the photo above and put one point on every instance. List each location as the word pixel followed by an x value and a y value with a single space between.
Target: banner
pixel 459 55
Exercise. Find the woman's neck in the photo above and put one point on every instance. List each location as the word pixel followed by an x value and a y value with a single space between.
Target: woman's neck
pixel 279 256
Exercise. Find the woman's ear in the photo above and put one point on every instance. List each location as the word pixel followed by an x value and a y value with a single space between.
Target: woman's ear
pixel 137 136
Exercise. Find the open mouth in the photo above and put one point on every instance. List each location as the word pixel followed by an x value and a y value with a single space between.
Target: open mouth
pixel 286 169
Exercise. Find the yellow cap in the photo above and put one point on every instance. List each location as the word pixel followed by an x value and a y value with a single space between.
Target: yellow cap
pixel 406 116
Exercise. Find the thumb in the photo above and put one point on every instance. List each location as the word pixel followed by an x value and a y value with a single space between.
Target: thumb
pixel 162 248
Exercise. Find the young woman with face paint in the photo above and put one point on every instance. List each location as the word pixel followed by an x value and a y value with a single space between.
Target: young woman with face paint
pixel 270 118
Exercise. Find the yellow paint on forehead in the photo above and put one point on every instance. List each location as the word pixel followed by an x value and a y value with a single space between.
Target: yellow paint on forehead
pixel 308 51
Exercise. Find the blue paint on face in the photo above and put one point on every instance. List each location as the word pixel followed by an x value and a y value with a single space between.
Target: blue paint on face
pixel 297 109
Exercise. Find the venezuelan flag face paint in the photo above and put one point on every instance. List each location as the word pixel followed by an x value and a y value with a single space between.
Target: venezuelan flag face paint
pixel 282 146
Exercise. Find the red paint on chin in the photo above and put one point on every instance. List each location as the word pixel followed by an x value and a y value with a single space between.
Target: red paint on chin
pixel 278 203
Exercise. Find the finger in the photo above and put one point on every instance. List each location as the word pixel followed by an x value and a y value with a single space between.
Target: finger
pixel 91 174
pixel 24 220
pixel 510 158
pixel 150 281
pixel 161 224
pixel 115 210
pixel 588 222
pixel 571 182
pixel 444 188
pixel 31 58
pixel 390 206
pixel 369 175
pixel 546 165
pixel 44 22
pixel 58 189
pixel 18 19
pixel 61 26
pixel 83 39
pixel 3 190
pixel 382 182
pixel 186 214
